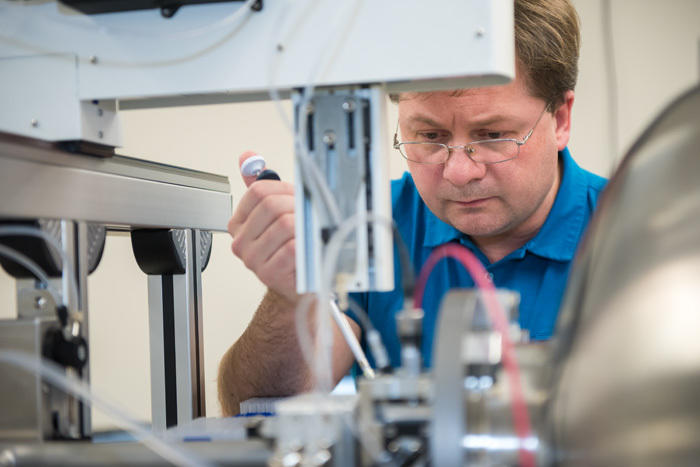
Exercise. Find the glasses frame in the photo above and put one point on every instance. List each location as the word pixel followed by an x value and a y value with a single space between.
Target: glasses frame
pixel 468 150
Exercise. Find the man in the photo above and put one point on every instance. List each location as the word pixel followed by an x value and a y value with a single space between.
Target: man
pixel 520 205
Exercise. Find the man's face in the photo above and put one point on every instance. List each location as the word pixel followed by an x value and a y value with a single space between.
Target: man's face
pixel 510 198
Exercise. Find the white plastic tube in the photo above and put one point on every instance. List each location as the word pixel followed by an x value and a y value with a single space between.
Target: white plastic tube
pixel 20 230
pixel 309 172
pixel 355 347
pixel 54 375
pixel 312 178
pixel 31 266
pixel 330 263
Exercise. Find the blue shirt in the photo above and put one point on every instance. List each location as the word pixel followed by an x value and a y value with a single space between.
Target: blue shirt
pixel 538 270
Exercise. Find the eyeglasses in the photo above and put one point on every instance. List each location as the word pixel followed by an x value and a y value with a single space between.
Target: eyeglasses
pixel 488 151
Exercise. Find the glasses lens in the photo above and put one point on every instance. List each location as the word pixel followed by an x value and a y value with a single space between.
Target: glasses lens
pixel 425 153
pixel 490 152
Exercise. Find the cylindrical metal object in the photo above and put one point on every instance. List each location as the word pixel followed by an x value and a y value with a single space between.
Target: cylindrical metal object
pixel 627 361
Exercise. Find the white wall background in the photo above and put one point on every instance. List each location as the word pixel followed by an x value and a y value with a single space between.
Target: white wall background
pixel 656 46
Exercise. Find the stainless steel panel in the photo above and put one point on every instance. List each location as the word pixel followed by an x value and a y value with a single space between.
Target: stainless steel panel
pixel 628 353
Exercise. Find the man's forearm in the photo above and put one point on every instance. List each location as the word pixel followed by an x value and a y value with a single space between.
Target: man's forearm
pixel 266 360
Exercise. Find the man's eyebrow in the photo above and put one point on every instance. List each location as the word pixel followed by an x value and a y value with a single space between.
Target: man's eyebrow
pixel 496 118
pixel 477 122
pixel 424 119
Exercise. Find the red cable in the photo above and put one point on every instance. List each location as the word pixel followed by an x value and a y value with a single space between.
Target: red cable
pixel 521 418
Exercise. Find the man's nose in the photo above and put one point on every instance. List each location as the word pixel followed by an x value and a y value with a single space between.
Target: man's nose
pixel 460 169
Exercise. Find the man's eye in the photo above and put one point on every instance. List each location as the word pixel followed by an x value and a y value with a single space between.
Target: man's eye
pixel 429 136
pixel 491 135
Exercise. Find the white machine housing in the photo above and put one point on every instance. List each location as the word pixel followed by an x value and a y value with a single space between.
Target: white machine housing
pixel 57 67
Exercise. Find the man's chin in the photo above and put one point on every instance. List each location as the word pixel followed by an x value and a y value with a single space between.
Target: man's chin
pixel 483 224
pixel 479 229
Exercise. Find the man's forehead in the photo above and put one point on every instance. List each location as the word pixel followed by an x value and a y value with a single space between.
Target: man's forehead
pixel 513 89
pixel 428 95
pixel 439 108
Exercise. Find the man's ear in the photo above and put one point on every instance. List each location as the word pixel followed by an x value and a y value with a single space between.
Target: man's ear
pixel 562 118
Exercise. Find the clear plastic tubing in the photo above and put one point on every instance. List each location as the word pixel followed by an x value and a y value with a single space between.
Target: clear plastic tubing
pixel 54 375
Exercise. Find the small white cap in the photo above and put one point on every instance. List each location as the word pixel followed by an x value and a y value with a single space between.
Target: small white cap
pixel 253 165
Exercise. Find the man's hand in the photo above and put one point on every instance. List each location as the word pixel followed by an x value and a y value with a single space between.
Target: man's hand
pixel 262 228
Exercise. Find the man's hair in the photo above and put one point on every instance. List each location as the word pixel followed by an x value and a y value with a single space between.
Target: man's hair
pixel 547 41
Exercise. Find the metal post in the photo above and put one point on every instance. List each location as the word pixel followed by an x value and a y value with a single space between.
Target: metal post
pixel 78 413
pixel 82 269
pixel 177 357
pixel 158 288
pixel 194 332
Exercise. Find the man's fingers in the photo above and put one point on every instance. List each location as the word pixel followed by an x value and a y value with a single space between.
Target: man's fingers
pixel 261 249
pixel 258 192
pixel 263 217
pixel 262 227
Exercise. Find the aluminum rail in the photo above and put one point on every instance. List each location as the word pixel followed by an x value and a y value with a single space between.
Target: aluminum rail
pixel 38 180
pixel 249 453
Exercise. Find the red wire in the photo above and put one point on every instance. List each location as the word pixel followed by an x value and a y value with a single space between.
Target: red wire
pixel 521 418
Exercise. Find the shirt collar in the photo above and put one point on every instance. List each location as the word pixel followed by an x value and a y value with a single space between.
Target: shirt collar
pixel 558 237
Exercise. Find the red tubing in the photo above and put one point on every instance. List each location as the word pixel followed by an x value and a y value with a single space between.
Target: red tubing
pixel 521 418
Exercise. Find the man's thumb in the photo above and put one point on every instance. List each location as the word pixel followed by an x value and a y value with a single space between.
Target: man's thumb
pixel 250 164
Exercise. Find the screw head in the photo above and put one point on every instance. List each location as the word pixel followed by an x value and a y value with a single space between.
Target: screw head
pixel 34 122
pixel 329 138
pixel 100 134
pixel 349 105
pixel 81 353
pixel 40 303
pixel 93 59
pixel 480 32
pixel 100 112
